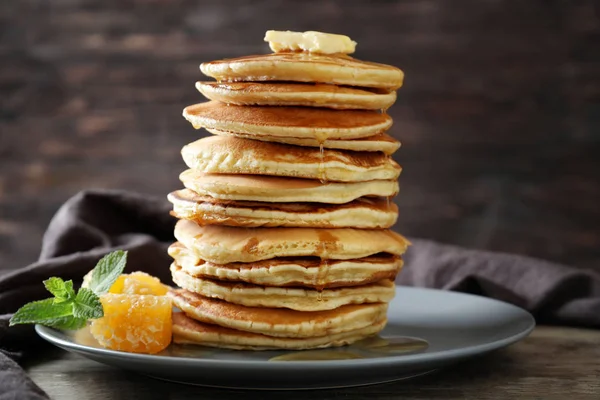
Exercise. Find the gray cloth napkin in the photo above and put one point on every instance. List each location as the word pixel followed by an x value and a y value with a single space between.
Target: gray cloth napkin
pixel 95 222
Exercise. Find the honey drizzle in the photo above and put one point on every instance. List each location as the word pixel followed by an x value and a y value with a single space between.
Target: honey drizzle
pixel 326 240
pixel 320 278
pixel 322 272
pixel 322 173
pixel 321 275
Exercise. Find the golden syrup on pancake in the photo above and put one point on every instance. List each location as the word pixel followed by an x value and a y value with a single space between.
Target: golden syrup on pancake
pixel 251 245
pixel 322 173
pixel 321 277
pixel 317 355
pixel 325 241
pixel 322 272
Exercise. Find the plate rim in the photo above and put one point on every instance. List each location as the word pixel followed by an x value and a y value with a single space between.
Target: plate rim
pixel 50 335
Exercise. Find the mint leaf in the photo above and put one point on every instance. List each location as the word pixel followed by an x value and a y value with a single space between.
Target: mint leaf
pixel 68 310
pixel 63 291
pixel 69 323
pixel 107 271
pixel 87 305
pixel 47 312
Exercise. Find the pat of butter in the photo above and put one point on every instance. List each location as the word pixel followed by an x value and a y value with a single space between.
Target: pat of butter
pixel 311 41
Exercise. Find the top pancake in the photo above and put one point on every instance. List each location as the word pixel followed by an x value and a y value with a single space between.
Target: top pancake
pixel 297 94
pixel 305 67
pixel 297 122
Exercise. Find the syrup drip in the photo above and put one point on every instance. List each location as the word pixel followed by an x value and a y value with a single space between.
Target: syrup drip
pixel 320 278
pixel 321 275
pixel 322 173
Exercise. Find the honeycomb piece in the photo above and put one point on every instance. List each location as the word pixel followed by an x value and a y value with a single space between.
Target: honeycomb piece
pixel 138 283
pixel 117 287
pixel 134 323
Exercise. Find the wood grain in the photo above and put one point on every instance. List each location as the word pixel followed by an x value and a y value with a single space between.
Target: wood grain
pixel 499 116
pixel 552 363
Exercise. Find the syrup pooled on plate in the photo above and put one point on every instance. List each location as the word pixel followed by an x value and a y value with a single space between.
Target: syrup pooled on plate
pixel 373 347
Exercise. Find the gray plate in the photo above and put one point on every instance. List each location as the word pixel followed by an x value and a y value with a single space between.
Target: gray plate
pixel 456 326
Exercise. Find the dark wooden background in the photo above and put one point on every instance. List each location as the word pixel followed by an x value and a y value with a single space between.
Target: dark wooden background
pixel 499 116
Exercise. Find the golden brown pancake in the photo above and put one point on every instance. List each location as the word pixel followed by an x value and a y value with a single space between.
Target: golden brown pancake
pixel 381 142
pixel 231 155
pixel 283 190
pixel 305 67
pixel 297 94
pixel 366 213
pixel 277 322
pixel 189 331
pixel 224 244
pixel 311 272
pixel 301 299
pixel 297 122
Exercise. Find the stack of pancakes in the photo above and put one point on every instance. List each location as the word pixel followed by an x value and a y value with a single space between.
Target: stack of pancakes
pixel 283 240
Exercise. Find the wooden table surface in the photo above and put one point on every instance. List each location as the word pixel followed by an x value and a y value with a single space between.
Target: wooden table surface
pixel 552 363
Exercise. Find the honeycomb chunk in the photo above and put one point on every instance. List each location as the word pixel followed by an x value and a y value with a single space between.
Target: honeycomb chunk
pixel 138 283
pixel 134 323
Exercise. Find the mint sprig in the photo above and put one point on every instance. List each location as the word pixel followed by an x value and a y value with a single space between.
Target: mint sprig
pixel 47 312
pixel 70 310
pixel 87 305
pixel 62 291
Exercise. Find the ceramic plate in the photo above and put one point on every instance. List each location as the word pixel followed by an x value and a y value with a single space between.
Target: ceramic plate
pixel 428 329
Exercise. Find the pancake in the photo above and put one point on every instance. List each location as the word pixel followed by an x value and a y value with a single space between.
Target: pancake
pixel 275 189
pixel 366 213
pixel 299 122
pixel 305 67
pixel 277 322
pixel 381 142
pixel 300 299
pixel 189 331
pixel 231 155
pixel 308 272
pixel 224 244
pixel 297 94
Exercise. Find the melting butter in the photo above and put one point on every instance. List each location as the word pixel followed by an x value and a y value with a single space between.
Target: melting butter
pixel 310 41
